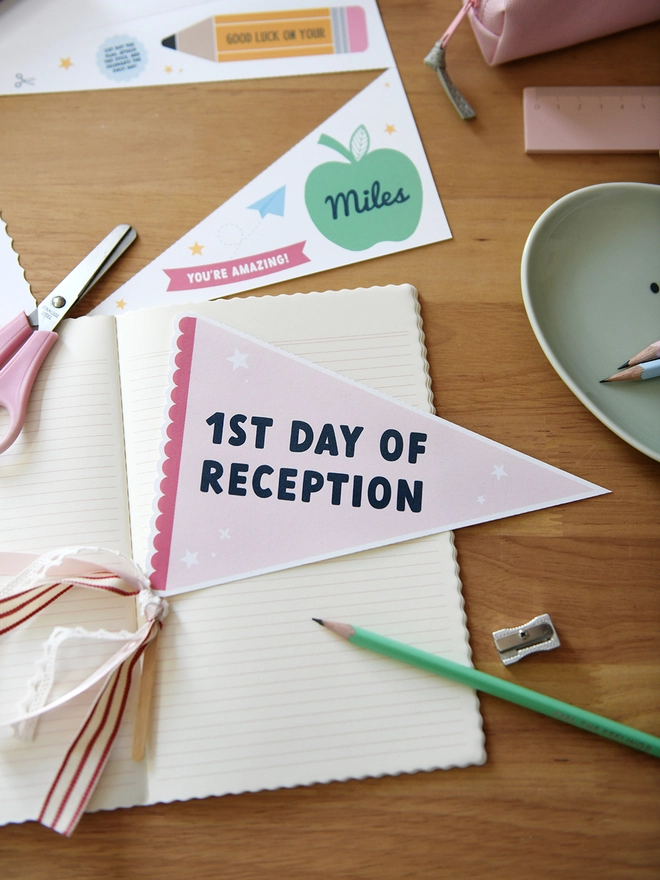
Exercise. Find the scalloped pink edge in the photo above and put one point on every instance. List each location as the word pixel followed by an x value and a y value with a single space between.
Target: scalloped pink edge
pixel 164 523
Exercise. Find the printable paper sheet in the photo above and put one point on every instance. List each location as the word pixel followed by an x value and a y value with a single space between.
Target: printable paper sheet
pixel 73 46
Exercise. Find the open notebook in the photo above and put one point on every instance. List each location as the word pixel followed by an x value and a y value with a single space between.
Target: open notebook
pixel 250 693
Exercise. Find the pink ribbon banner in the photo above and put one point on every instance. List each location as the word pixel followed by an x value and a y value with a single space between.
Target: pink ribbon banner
pixel 235 271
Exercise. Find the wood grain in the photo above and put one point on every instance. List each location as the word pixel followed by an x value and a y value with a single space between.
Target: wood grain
pixel 552 801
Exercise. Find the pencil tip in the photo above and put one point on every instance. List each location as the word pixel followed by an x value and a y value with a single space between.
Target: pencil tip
pixel 318 620
pixel 604 381
pixel 623 366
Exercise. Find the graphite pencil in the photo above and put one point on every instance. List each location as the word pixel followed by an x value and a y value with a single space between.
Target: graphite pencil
pixel 650 353
pixel 497 687
pixel 646 370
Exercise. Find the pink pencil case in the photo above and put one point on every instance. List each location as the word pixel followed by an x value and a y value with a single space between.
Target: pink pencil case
pixel 510 29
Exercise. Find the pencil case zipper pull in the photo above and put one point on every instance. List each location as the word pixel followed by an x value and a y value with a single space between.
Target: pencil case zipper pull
pixel 436 60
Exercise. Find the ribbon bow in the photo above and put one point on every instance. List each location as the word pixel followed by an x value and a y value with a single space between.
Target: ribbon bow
pixel 46 579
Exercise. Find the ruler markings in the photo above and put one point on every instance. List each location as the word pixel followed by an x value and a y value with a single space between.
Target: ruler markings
pixel 595 91
pixel 592 119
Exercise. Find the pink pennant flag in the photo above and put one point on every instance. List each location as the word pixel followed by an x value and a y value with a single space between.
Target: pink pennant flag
pixel 271 461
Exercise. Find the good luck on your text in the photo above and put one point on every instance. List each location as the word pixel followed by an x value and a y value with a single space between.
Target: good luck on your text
pixel 287 484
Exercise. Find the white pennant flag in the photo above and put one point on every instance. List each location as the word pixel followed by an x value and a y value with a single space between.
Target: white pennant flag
pixel 358 187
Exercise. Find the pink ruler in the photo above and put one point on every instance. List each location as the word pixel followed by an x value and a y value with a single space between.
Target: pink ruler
pixel 574 119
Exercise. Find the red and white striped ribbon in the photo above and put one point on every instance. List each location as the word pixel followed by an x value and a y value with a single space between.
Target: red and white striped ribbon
pixel 46 579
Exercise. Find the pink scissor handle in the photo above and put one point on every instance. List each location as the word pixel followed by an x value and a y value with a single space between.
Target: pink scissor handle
pixel 13 335
pixel 18 374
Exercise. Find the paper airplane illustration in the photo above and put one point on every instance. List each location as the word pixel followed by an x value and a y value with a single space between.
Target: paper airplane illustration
pixel 271 204
pixel 292 463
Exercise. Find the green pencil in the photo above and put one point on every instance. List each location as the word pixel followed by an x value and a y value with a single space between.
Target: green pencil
pixel 497 687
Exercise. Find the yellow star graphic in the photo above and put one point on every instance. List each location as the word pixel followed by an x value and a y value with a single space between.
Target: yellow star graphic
pixel 168 69
pixel 120 303
pixel 195 248
pixel 390 129
pixel 66 63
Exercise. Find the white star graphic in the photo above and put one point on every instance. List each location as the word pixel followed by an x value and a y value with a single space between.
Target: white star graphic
pixel 224 533
pixel 190 558
pixel 499 472
pixel 238 359
pixel 481 500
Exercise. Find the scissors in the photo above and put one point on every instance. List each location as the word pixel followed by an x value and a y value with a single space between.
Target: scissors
pixel 26 340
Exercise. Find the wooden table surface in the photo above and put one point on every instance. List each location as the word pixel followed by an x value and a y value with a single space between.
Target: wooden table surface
pixel 552 801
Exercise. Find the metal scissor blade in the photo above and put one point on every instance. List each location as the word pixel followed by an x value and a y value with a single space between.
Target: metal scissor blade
pixel 71 289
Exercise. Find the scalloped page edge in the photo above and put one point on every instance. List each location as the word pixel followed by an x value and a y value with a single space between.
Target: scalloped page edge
pixel 16 288
pixel 452 542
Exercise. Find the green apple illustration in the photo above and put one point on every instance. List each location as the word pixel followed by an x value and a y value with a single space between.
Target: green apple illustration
pixel 373 197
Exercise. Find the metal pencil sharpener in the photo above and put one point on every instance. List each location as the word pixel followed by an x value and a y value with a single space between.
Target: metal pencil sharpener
pixel 516 642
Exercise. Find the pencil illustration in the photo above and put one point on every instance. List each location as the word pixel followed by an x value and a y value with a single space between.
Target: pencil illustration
pixel 286 34
pixel 645 370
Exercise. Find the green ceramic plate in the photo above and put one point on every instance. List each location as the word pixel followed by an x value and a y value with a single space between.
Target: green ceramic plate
pixel 587 273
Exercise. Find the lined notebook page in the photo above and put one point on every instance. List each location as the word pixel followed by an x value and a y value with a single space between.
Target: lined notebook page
pixel 63 483
pixel 250 694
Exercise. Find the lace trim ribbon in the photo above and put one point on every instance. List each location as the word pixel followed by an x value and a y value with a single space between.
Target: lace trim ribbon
pixel 40 584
